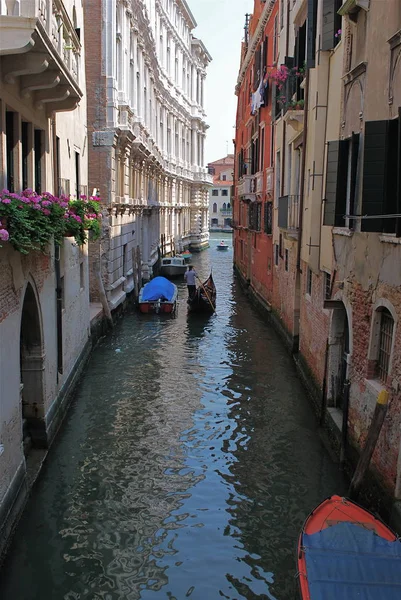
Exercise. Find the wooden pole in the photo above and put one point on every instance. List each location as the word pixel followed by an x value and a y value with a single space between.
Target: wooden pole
pixel 207 295
pixel 371 440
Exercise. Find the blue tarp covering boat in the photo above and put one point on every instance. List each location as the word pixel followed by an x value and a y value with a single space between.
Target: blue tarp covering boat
pixel 346 553
pixel 352 563
pixel 158 288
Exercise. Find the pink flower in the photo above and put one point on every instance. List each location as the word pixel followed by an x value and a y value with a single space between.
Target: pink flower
pixel 6 201
pixel 4 235
pixel 46 203
pixel 46 211
pixel 36 206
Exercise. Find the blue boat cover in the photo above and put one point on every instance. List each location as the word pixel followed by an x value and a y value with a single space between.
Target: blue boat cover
pixel 158 288
pixel 348 562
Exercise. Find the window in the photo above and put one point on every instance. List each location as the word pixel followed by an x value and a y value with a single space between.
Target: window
pixel 309 281
pixel 215 207
pixel 326 286
pixel 280 245
pixel 215 192
pixel 38 151
pixel 215 222
pixel 276 254
pixel 341 179
pixel 277 191
pixel 224 192
pixel 286 259
pixel 255 216
pixel 281 14
pixel 385 343
pixel 268 218
pixel 224 177
pixel 275 40
pixel 10 149
pixel 77 175
pixel 311 33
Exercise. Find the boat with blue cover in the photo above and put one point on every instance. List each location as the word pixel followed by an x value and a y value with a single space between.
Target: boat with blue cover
pixel 345 552
pixel 159 295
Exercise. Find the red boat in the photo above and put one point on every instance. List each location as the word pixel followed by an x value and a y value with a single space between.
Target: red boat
pixel 346 553
pixel 159 295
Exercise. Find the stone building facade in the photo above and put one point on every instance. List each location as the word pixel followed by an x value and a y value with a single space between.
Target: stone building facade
pixel 146 122
pixel 220 195
pixel 44 297
pixel 337 212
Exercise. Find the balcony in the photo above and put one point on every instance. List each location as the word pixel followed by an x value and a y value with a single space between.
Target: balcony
pixel 288 213
pixel 40 50
pixel 248 186
pixel 226 212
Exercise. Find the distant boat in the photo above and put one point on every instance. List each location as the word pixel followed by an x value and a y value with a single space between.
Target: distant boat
pixel 222 246
pixel 204 300
pixel 159 295
pixel 345 552
pixel 186 255
pixel 174 266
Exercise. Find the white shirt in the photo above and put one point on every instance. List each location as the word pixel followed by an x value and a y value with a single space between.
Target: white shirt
pixel 190 277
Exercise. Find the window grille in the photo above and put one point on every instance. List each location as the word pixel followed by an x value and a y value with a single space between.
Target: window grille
pixel 385 342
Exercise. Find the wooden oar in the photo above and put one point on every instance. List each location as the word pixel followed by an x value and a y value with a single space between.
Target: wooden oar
pixel 207 295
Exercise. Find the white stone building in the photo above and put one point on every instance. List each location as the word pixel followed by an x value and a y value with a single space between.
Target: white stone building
pixel 44 297
pixel 146 78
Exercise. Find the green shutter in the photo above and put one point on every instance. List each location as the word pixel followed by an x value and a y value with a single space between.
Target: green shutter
pixel 328 26
pixel 311 39
pixel 336 183
pixel 375 164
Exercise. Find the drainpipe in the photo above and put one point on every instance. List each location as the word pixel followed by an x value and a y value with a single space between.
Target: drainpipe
pixel 59 291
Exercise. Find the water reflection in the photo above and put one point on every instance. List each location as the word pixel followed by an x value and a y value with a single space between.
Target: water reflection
pixel 185 468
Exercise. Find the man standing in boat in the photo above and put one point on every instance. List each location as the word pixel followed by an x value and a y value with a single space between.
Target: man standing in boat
pixel 190 277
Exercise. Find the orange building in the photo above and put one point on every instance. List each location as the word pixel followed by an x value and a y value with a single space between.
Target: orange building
pixel 253 172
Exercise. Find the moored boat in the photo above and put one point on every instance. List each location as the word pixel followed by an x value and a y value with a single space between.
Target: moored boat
pixel 222 245
pixel 159 295
pixel 174 266
pixel 204 299
pixel 345 552
pixel 186 255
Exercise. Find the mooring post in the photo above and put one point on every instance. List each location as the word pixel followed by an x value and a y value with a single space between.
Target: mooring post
pixel 371 440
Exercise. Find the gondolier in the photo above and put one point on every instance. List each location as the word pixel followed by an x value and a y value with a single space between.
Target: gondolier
pixel 190 277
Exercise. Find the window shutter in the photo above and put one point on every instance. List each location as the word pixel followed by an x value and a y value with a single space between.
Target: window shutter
pixel 398 221
pixel 311 39
pixel 329 23
pixel 374 174
pixel 393 174
pixel 354 172
pixel 336 183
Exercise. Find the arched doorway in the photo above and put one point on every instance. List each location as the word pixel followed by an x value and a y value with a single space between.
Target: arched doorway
pixel 32 371
pixel 339 355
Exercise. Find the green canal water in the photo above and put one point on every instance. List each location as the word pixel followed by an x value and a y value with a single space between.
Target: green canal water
pixel 185 468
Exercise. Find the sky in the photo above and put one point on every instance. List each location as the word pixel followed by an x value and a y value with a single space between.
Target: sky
pixel 221 29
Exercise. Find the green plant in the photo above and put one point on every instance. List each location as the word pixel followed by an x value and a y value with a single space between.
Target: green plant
pixel 29 220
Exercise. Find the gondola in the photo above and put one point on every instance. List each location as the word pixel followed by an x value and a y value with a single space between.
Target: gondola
pixel 204 299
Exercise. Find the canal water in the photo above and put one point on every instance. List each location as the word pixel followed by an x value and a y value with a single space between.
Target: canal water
pixel 185 467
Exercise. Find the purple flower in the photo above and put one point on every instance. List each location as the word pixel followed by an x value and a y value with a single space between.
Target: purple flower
pixel 6 201
pixel 46 211
pixel 63 204
pixel 36 206
pixel 46 203
pixel 4 235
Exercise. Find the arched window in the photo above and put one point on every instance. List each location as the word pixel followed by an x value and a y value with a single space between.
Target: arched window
pixel 215 207
pixel 224 206
pixel 228 206
pixel 381 345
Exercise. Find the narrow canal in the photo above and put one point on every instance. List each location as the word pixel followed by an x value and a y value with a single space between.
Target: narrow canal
pixel 185 468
